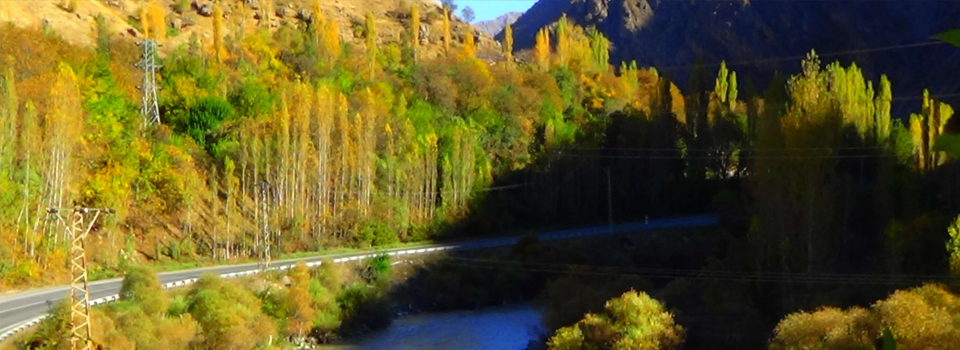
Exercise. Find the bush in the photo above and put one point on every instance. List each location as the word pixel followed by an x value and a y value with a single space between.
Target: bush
pixel 327 318
pixel 377 234
pixel 363 306
pixel 827 328
pixel 178 307
pixel 920 318
pixel 202 120
pixel 229 316
pixel 181 6
pixel 252 99
pixel 632 321
pixel 377 270
pixel 142 287
pixel 329 276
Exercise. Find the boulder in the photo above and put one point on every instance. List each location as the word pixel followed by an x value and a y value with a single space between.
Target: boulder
pixel 283 12
pixel 424 34
pixel 254 4
pixel 176 23
pixel 398 15
pixel 305 15
pixel 205 10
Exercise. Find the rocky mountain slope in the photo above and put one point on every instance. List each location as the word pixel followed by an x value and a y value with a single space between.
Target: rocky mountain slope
pixel 760 37
pixel 494 26
pixel 74 20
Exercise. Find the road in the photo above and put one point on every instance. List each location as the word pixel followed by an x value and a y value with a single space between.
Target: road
pixel 23 309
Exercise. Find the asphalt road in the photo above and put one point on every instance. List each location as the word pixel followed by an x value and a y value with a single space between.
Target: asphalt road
pixel 23 309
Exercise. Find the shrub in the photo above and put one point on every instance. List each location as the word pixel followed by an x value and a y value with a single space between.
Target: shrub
pixel 229 316
pixel 363 306
pixel 377 234
pixel 181 6
pixel 827 328
pixel 632 321
pixel 142 287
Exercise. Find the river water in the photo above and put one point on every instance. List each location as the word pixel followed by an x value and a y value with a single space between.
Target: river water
pixel 507 328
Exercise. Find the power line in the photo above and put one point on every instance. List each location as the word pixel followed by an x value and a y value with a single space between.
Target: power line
pixel 466 191
pixel 773 1
pixel 804 56
pixel 917 97
pixel 704 275
pixel 783 149
pixel 742 156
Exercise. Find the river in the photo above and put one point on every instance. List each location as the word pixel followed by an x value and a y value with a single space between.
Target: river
pixel 506 328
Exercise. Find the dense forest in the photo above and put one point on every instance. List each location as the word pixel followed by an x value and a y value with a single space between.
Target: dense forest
pixel 299 137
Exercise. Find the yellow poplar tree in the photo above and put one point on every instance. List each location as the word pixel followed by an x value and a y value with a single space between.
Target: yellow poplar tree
pixel 157 21
pixel 330 41
pixel 372 51
pixel 541 49
pixel 266 10
pixel 469 46
pixel 508 42
pixel 318 24
pixel 218 51
pixel 414 26
pixel 301 305
pixel 563 41
pixel 145 22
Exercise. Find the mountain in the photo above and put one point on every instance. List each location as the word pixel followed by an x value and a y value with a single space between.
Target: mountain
pixel 494 26
pixel 760 37
pixel 75 21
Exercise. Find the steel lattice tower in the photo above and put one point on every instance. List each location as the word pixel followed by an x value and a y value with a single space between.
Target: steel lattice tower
pixel 81 333
pixel 149 108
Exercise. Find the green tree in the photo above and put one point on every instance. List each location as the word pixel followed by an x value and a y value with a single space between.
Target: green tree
pixel 450 6
pixel 953 245
pixel 300 303
pixel 468 14
pixel 229 316
pixel 633 321
pixel 826 328
pixel 141 286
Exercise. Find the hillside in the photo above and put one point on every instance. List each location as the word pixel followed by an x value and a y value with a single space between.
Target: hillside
pixel 184 19
pixel 494 26
pixel 760 37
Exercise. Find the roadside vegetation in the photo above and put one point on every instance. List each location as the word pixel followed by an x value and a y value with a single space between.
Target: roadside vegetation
pixel 307 137
pixel 297 308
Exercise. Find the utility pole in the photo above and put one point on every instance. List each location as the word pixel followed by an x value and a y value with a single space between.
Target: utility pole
pixel 81 334
pixel 264 261
pixel 149 108
pixel 609 203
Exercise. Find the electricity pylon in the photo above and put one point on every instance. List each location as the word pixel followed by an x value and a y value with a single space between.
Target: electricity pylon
pixel 149 108
pixel 81 333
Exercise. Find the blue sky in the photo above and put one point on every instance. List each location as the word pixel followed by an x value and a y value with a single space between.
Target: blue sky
pixel 490 9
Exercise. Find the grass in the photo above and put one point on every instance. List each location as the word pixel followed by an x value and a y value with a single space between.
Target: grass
pixel 172 31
